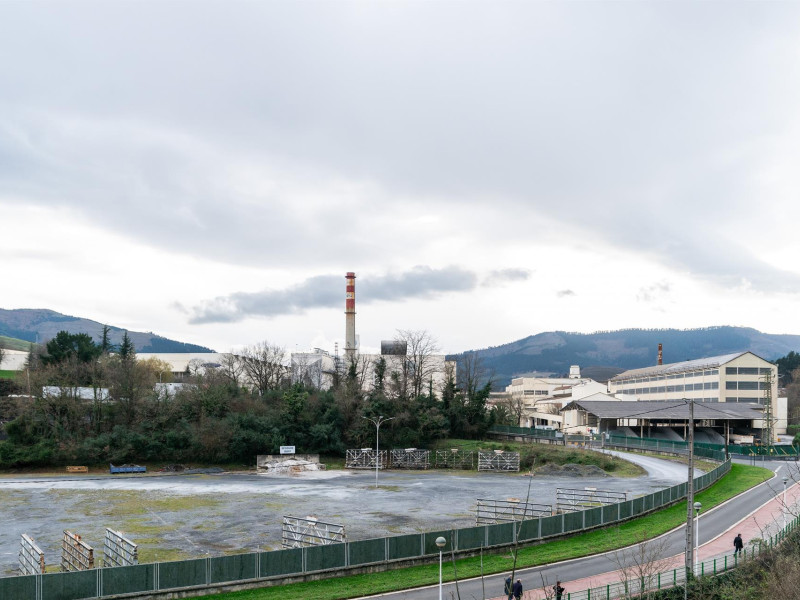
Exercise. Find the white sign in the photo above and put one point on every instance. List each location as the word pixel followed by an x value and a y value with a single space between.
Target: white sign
pixel 287 449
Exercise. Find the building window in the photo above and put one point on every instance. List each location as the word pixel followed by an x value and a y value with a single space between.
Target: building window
pixel 730 385
pixel 730 370
pixel 748 370
pixel 748 385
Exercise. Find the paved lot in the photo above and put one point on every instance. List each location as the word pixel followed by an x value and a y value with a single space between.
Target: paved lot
pixel 182 516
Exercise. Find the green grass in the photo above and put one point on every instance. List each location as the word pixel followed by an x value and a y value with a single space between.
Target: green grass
pixel 538 455
pixel 740 479
pixel 10 343
pixel 8 374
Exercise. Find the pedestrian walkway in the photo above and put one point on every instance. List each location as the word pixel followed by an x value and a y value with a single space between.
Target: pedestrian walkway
pixel 761 524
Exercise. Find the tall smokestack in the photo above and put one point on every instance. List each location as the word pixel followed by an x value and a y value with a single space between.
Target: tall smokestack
pixel 350 316
pixel 660 355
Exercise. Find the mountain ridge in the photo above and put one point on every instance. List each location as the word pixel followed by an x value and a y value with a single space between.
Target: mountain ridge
pixel 42 324
pixel 553 352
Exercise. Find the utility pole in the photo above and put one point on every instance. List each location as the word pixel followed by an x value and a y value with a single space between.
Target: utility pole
pixel 689 558
pixel 768 436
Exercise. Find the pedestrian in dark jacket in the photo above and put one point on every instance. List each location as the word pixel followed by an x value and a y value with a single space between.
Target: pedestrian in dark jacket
pixel 558 590
pixel 738 544
pixel 508 588
pixel 517 590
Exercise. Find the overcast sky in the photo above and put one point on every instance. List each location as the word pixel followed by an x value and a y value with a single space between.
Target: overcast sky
pixel 210 171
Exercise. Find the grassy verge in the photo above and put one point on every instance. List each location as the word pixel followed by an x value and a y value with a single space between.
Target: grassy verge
pixel 538 455
pixel 740 479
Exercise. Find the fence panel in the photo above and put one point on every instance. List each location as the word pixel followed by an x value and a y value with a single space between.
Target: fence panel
pixel 364 552
pixel 529 530
pixel 18 587
pixel 181 573
pixel 573 521
pixel 330 556
pixel 126 580
pixel 594 516
pixel 404 546
pixel 625 509
pixel 501 534
pixel 471 537
pixel 69 586
pixel 638 506
pixel 233 568
pixel 430 540
pixel 281 562
pixel 609 514
pixel 551 525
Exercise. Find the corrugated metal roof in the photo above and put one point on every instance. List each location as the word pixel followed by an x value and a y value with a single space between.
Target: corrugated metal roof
pixel 711 362
pixel 625 409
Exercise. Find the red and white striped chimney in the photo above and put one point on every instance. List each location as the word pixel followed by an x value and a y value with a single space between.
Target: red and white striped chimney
pixel 350 316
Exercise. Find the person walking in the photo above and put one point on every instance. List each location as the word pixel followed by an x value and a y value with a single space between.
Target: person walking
pixel 738 544
pixel 517 590
pixel 558 590
pixel 508 588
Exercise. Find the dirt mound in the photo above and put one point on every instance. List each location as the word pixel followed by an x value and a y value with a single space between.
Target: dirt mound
pixel 570 470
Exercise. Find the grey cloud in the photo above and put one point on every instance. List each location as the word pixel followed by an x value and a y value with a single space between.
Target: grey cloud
pixel 327 291
pixel 565 293
pixel 653 292
pixel 507 275
pixel 618 131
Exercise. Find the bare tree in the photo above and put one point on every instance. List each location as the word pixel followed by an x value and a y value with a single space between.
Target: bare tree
pixel 640 564
pixel 263 365
pixel 514 406
pixel 2 354
pixel 231 368
pixel 422 346
pixel 472 373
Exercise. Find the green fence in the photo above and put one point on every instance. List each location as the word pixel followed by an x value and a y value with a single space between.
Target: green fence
pixel 207 572
pixel 530 431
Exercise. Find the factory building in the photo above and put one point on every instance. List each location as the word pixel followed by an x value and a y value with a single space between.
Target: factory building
pixel 741 378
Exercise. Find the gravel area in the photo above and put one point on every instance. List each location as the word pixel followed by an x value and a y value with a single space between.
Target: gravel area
pixel 184 516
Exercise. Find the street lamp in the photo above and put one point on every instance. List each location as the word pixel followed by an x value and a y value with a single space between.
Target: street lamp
pixel 440 543
pixel 783 508
pixel 377 422
pixel 697 507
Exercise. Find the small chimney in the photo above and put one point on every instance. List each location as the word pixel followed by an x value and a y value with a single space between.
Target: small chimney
pixel 574 372
pixel 660 355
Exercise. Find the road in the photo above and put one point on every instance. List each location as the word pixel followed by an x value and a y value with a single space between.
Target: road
pixel 712 524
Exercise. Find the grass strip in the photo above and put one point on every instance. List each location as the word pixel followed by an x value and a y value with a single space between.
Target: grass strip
pixel 740 479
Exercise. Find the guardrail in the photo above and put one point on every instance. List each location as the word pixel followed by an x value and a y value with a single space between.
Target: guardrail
pixel 258 567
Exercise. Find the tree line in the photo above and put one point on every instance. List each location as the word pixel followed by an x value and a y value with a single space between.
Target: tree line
pixel 84 402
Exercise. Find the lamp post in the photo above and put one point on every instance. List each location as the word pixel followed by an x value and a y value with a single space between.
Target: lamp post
pixel 697 507
pixel 783 508
pixel 440 543
pixel 377 422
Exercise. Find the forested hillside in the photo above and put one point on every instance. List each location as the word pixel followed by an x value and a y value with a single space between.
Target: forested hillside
pixel 40 325
pixel 554 352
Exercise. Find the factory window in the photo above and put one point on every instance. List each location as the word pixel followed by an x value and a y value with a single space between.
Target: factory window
pixel 731 385
pixel 764 370
pixel 715 385
pixel 698 386
pixel 762 385
pixel 748 385
pixel 661 389
pixel 707 385
pixel 750 400
pixel 748 370
pixel 730 370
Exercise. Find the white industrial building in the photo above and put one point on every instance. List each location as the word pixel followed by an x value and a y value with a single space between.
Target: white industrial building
pixel 539 399
pixel 741 377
